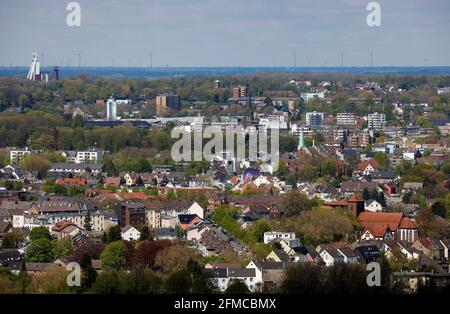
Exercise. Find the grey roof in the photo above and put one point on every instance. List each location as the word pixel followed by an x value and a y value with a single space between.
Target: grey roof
pixel 269 265
pixel 165 232
pixel 347 252
pixel 241 272
pixel 231 272
pixel 82 166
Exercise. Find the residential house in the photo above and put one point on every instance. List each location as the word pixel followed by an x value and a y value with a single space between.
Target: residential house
pixel 330 255
pixel 367 253
pixel 130 233
pixel 368 167
pixel 165 233
pixel 65 229
pixel 404 248
pixel 372 206
pixel 268 275
pixel 82 168
pixel 222 277
pixel 430 247
pixel 186 221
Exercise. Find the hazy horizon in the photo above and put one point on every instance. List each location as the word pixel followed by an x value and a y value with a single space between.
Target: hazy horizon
pixel 226 33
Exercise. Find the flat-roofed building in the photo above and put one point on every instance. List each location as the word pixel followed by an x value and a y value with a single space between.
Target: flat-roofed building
pixel 167 102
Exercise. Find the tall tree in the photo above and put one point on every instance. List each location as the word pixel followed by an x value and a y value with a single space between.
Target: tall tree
pixel 87 222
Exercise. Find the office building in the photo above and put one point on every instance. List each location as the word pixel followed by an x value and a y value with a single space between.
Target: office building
pixel 166 102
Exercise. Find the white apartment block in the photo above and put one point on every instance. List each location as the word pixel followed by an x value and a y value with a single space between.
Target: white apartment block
pixel 15 156
pixel 82 157
pixel 311 96
pixel 345 118
pixel 376 120
pixel 315 119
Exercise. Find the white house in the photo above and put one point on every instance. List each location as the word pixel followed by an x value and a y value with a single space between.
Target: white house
pixel 130 233
pixel 196 209
pixel 222 277
pixel 372 206
pixel 272 235
pixel 261 180
pixel 331 256
pixel 195 233
pixel 350 257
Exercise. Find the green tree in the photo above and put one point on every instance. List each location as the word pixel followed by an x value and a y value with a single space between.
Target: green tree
pixel 382 160
pixel 40 233
pixel 258 230
pixel 329 167
pixel 87 222
pixel 114 234
pixel 89 275
pixel 113 256
pixel 107 283
pixel 237 286
pixel 145 233
pixel 40 251
pixel 294 202
pixel 11 240
pixel 178 282
pixel 61 247
pixel 36 164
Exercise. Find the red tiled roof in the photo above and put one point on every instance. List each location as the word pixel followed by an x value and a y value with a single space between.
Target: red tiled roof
pixel 337 203
pixel 72 181
pixel 234 180
pixel 407 223
pixel 363 165
pixel 391 220
pixel 112 181
pixel 378 231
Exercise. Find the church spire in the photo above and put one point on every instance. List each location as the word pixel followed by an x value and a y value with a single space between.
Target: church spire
pixel 301 142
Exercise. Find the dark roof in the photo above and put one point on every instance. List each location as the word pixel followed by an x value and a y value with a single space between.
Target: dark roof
pixel 5 226
pixel 269 265
pixel 186 218
pixel 241 272
pixel 165 232
pixel 218 272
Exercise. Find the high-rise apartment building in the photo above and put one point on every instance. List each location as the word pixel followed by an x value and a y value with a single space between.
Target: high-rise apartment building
pixel 315 119
pixel 166 102
pixel 376 120
pixel 240 91
pixel 345 118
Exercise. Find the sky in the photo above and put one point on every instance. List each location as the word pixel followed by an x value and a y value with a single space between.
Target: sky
pixel 213 33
